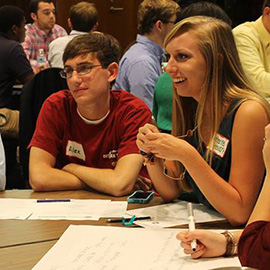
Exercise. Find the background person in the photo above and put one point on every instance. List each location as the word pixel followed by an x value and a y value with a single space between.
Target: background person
pixel 83 18
pixel 213 106
pixel 42 31
pixel 140 66
pixel 13 66
pixel 253 45
pixel 86 137
pixel 162 103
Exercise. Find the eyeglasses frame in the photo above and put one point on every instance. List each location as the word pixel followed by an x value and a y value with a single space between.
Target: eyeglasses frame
pixel 63 73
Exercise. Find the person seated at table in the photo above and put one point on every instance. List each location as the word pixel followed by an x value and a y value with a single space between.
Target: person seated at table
pixel 41 32
pixel 14 66
pixel 83 18
pixel 2 166
pixel 140 66
pixel 86 137
pixel 254 244
pixel 218 123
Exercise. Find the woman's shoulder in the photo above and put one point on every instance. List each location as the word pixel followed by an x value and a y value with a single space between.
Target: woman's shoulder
pixel 253 108
pixel 252 114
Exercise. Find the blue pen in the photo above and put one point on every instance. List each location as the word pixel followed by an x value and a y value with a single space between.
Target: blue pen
pixel 53 200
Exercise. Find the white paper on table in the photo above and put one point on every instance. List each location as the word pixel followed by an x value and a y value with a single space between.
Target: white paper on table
pixel 115 209
pixel 73 210
pixel 16 208
pixel 87 247
pixel 172 214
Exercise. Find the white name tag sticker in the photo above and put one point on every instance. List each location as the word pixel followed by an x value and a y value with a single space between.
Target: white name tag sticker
pixel 221 145
pixel 75 149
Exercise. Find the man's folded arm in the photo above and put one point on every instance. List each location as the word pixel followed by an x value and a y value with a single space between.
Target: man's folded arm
pixel 117 182
pixel 44 177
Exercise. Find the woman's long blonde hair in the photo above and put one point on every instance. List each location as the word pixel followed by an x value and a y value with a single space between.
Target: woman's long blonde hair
pixel 225 80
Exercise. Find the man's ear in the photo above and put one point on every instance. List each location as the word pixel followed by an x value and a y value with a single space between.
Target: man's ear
pixel 266 11
pixel 33 16
pixel 94 28
pixel 158 25
pixel 70 24
pixel 113 71
pixel 14 29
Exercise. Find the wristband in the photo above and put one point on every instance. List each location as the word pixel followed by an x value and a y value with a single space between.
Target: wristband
pixel 231 245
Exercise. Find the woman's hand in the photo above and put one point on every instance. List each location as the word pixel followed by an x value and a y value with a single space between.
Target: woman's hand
pixel 141 136
pixel 209 244
pixel 166 146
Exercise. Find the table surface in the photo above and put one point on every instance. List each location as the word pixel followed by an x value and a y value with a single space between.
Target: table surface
pixel 24 242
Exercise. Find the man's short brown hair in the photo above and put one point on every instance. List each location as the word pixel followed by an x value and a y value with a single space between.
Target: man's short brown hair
pixel 150 11
pixel 83 16
pixel 103 46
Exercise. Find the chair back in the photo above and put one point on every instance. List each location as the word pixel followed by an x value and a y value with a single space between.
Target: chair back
pixel 34 93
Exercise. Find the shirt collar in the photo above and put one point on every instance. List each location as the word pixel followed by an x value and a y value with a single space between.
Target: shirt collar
pixel 153 46
pixel 39 31
pixel 93 122
pixel 263 33
pixel 76 33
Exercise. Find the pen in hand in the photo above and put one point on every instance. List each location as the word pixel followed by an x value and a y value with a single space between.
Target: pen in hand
pixel 191 225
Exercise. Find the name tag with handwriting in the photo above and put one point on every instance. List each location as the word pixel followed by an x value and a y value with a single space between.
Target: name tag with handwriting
pixel 75 149
pixel 221 145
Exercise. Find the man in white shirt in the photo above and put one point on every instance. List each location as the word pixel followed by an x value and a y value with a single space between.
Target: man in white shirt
pixel 83 18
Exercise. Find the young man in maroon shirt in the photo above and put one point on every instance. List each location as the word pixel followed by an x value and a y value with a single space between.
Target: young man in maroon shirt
pixel 85 137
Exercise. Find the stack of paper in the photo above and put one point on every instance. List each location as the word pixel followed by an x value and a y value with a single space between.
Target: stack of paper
pixel 111 248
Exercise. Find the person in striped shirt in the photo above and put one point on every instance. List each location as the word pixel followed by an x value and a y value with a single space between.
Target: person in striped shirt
pixel 42 31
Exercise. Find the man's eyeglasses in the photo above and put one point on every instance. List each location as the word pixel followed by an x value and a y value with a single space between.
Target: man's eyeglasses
pixel 82 70
pixel 169 22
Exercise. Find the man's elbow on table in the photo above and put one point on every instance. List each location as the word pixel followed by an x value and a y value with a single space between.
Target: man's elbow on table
pixel 40 165
pixel 40 177
pixel 119 191
pixel 38 181
pixel 122 187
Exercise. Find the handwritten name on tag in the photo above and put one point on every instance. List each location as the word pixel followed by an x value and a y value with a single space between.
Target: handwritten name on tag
pixel 221 145
pixel 75 149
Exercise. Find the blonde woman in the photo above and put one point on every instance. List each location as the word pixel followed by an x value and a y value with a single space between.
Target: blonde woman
pixel 218 123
